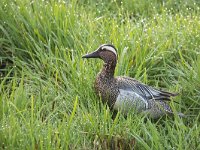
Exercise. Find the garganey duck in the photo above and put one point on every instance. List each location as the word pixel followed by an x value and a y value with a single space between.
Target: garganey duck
pixel 125 93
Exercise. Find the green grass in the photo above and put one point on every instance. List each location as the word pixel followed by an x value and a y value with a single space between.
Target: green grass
pixel 46 90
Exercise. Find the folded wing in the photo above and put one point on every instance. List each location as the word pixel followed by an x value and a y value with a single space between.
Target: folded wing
pixel 145 91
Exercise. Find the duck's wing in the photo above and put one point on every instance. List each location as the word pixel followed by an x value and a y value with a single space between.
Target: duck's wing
pixel 147 92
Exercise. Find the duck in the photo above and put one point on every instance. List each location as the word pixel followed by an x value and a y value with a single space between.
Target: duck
pixel 126 94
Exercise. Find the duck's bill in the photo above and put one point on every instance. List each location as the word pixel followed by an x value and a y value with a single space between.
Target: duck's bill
pixel 94 54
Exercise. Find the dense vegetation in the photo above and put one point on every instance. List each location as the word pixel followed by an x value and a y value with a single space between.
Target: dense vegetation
pixel 46 90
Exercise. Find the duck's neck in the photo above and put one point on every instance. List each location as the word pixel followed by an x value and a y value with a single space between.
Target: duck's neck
pixel 108 70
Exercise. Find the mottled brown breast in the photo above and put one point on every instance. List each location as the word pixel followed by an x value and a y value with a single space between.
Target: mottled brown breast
pixel 107 89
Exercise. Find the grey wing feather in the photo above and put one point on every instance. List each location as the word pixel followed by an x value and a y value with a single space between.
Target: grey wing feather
pixel 145 91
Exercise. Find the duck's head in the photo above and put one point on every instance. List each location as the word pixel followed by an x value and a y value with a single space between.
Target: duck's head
pixel 106 52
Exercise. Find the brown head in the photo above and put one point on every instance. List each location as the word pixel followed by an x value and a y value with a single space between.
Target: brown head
pixel 106 52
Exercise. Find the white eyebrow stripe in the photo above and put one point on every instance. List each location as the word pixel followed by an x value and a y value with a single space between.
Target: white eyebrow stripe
pixel 110 49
